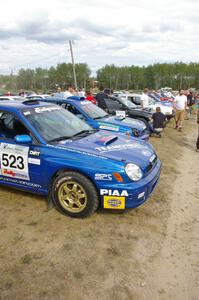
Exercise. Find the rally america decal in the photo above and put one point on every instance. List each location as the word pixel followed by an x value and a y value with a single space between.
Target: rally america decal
pixel 106 126
pixel 14 161
pixel 120 147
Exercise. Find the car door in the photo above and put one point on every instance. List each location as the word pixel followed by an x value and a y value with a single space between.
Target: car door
pixel 20 163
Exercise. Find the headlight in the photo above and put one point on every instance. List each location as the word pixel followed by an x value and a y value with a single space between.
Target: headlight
pixel 133 171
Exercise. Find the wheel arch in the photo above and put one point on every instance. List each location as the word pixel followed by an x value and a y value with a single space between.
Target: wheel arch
pixel 62 170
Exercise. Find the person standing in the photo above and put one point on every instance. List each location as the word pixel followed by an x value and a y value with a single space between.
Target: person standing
pixel 21 93
pixel 100 97
pixel 59 93
pixel 197 143
pixel 180 105
pixel 190 101
pixel 69 92
pixel 89 97
pixel 145 99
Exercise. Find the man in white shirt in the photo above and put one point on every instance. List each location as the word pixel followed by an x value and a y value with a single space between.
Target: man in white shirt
pixel 145 99
pixel 69 92
pixel 180 104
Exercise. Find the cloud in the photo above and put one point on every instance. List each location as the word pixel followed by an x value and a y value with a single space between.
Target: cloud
pixel 35 33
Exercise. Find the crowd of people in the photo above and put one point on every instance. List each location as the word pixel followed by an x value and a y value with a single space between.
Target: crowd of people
pixel 183 108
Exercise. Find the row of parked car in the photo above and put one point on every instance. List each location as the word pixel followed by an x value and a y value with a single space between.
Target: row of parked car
pixel 121 106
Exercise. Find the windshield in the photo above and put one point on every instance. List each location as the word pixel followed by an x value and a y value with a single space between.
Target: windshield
pixel 128 103
pixel 93 111
pixel 55 123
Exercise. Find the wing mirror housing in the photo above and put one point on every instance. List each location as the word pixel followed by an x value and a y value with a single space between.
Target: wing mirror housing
pixel 23 139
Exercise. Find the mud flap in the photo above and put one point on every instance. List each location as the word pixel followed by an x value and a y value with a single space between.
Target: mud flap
pixel 50 204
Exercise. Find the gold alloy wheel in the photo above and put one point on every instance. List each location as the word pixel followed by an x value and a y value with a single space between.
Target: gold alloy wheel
pixel 72 196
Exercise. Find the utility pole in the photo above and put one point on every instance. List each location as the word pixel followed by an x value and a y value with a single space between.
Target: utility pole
pixel 72 58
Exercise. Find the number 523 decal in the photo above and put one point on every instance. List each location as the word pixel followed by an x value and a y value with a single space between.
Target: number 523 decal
pixel 14 161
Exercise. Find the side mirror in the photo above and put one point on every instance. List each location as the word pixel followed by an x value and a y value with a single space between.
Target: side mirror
pixel 23 139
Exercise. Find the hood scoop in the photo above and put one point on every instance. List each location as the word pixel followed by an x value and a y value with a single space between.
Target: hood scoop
pixel 107 140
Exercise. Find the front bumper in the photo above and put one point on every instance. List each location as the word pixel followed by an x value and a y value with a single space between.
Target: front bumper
pixel 131 195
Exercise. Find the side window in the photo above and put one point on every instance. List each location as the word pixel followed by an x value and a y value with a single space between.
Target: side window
pixel 75 111
pixel 10 126
pixel 137 100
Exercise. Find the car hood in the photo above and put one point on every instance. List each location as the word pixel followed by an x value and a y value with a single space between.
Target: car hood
pixel 132 123
pixel 145 112
pixel 167 103
pixel 113 146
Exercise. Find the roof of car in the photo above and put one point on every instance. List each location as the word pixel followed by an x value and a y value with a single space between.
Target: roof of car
pixel 72 99
pixel 18 105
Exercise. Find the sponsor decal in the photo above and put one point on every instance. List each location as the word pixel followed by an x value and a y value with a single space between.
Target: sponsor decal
pixel 108 127
pixel 120 147
pixel 34 153
pixel 34 161
pixel 76 151
pixel 14 161
pixel 8 172
pixel 105 177
pixel 39 110
pixel 85 102
pixel 146 153
pixel 123 193
pixel 15 181
pixel 120 114
pixel 141 195
pixel 152 158
pixel 113 202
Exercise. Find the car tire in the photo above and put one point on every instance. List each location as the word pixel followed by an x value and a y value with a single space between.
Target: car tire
pixel 74 194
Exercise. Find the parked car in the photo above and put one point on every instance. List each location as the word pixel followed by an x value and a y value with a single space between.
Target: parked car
pixel 156 96
pixel 165 109
pixel 15 98
pixel 99 119
pixel 115 104
pixel 40 96
pixel 47 150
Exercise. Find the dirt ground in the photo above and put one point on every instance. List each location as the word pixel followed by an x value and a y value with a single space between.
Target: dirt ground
pixel 151 252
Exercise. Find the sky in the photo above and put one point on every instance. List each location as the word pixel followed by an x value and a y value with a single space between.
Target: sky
pixel 121 32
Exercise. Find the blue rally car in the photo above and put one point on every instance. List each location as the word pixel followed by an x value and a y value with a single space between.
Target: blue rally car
pixel 99 119
pixel 45 149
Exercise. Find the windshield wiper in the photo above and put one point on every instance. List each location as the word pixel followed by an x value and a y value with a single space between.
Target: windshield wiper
pixel 105 116
pixel 60 138
pixel 84 132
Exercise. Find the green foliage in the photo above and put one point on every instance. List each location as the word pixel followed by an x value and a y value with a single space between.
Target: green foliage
pixel 45 79
pixel 176 75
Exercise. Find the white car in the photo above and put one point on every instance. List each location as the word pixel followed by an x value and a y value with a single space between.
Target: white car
pixel 15 98
pixel 33 97
pixel 136 99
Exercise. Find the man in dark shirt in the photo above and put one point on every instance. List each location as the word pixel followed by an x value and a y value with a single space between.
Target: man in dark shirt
pixel 100 97
pixel 190 101
pixel 159 120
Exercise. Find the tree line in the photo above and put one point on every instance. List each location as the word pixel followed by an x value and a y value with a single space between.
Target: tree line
pixel 176 75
